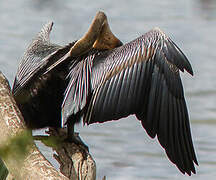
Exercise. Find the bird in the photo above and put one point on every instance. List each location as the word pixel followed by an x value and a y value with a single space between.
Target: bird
pixel 39 95
pixel 106 83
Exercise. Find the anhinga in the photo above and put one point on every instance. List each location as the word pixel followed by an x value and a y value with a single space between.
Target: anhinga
pixel 97 79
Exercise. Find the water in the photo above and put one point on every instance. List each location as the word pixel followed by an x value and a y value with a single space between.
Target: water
pixel 122 149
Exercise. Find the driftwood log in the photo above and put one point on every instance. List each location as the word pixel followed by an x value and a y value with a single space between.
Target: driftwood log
pixel 75 162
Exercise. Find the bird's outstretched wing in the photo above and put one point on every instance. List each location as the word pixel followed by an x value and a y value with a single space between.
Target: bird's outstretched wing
pixel 142 78
pixel 40 55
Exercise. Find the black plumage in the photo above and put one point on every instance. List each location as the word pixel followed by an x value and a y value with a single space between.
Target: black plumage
pixel 140 77
pixel 38 95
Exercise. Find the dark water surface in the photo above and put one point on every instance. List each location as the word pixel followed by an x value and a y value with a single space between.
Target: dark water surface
pixel 122 149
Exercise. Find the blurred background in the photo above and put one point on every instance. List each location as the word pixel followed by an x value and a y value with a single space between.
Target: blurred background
pixel 122 149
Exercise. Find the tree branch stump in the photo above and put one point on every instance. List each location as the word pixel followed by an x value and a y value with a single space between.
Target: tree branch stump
pixel 75 162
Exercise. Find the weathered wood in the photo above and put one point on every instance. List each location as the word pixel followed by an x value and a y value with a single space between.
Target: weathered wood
pixel 75 162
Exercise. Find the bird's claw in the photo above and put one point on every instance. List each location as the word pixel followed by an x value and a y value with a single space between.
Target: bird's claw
pixel 74 138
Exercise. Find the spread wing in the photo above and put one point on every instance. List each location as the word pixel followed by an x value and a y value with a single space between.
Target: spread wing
pixel 38 58
pixel 142 78
pixel 34 57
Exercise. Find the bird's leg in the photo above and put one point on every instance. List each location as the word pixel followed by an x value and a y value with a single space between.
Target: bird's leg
pixel 72 136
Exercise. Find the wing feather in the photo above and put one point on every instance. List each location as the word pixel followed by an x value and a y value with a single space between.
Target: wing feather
pixel 34 55
pixel 187 129
pixel 39 56
pixel 78 88
pixel 142 78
